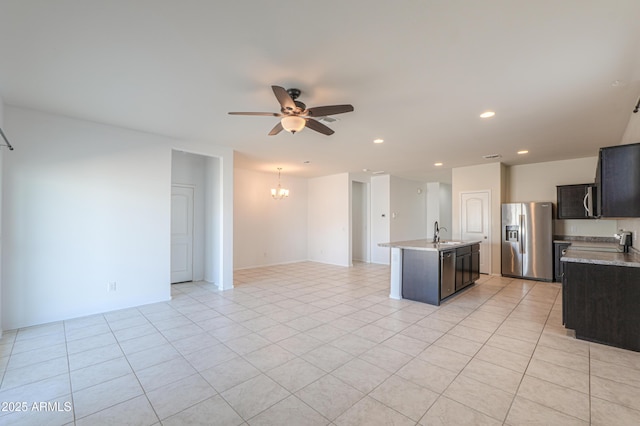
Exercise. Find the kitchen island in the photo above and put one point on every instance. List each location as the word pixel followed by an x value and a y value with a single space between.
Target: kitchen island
pixel 429 272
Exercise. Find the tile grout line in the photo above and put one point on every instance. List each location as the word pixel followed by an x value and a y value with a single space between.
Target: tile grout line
pixel 358 298
pixel 186 360
pixel 6 368
pixel 483 345
pixel 66 348
pixel 524 373
pixel 97 384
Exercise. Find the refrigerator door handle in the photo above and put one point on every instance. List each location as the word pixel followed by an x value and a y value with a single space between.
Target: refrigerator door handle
pixel 522 233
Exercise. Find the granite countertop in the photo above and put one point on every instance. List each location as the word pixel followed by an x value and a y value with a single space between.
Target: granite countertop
pixel 582 239
pixel 588 242
pixel 428 244
pixel 593 246
pixel 631 259
pixel 599 245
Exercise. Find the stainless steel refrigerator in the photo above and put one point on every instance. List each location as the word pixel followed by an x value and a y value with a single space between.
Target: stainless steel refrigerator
pixel 527 240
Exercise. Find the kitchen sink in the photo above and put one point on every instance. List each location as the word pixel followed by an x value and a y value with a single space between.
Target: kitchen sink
pixel 450 242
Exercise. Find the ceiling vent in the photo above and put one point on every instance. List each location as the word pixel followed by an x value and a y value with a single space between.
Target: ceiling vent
pixel 491 156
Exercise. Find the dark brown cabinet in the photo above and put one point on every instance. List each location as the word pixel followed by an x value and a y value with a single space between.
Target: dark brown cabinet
pixel 421 276
pixel 475 262
pixel 558 250
pixel 573 201
pixel 600 302
pixel 467 265
pixel 618 181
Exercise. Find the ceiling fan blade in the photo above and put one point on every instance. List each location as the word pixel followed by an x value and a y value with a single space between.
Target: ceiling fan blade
pixel 318 127
pixel 283 98
pixel 276 129
pixel 329 110
pixel 267 114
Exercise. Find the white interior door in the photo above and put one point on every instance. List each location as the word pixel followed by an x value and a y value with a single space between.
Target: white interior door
pixel 181 234
pixel 475 218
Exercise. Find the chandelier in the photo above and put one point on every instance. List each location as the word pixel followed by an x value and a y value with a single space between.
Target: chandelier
pixel 279 193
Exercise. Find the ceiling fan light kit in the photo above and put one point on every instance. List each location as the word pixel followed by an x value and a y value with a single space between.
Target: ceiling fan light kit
pixel 295 116
pixel 293 123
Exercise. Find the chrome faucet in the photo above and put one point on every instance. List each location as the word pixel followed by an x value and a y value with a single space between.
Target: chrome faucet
pixel 436 232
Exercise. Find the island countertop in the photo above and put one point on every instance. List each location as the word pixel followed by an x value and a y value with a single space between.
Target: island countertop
pixel 428 244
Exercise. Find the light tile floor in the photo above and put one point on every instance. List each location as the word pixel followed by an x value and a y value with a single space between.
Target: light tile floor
pixel 313 344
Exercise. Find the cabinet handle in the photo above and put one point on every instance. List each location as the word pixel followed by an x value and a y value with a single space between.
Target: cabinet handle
pixel 584 203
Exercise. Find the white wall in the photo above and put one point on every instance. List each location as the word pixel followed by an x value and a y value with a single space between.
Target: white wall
pixel 214 246
pixel 398 213
pixel 1 236
pixel 268 231
pixel 329 219
pixel 86 204
pixel 537 182
pixel 380 218
pixel 438 199
pixel 445 209
pixel 408 215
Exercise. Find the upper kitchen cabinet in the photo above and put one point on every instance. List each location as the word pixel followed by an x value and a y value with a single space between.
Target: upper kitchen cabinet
pixel 575 201
pixel 618 181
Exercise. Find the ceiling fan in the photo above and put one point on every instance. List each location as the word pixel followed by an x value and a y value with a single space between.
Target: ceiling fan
pixel 295 115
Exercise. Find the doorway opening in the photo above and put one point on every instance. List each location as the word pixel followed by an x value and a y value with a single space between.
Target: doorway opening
pixel 195 217
pixel 360 250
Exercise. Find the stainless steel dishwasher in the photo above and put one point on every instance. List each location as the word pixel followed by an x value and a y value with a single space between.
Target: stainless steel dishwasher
pixel 447 273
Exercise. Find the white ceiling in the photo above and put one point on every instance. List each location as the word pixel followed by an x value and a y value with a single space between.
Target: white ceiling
pixel 418 73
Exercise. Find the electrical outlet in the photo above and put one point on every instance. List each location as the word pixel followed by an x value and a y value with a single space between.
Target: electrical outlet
pixel 111 286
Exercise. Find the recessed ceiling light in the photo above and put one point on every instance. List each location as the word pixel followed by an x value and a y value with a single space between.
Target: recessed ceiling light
pixel 379 172
pixel 524 151
pixel 365 170
pixel 437 164
pixel 378 140
pixel 487 114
